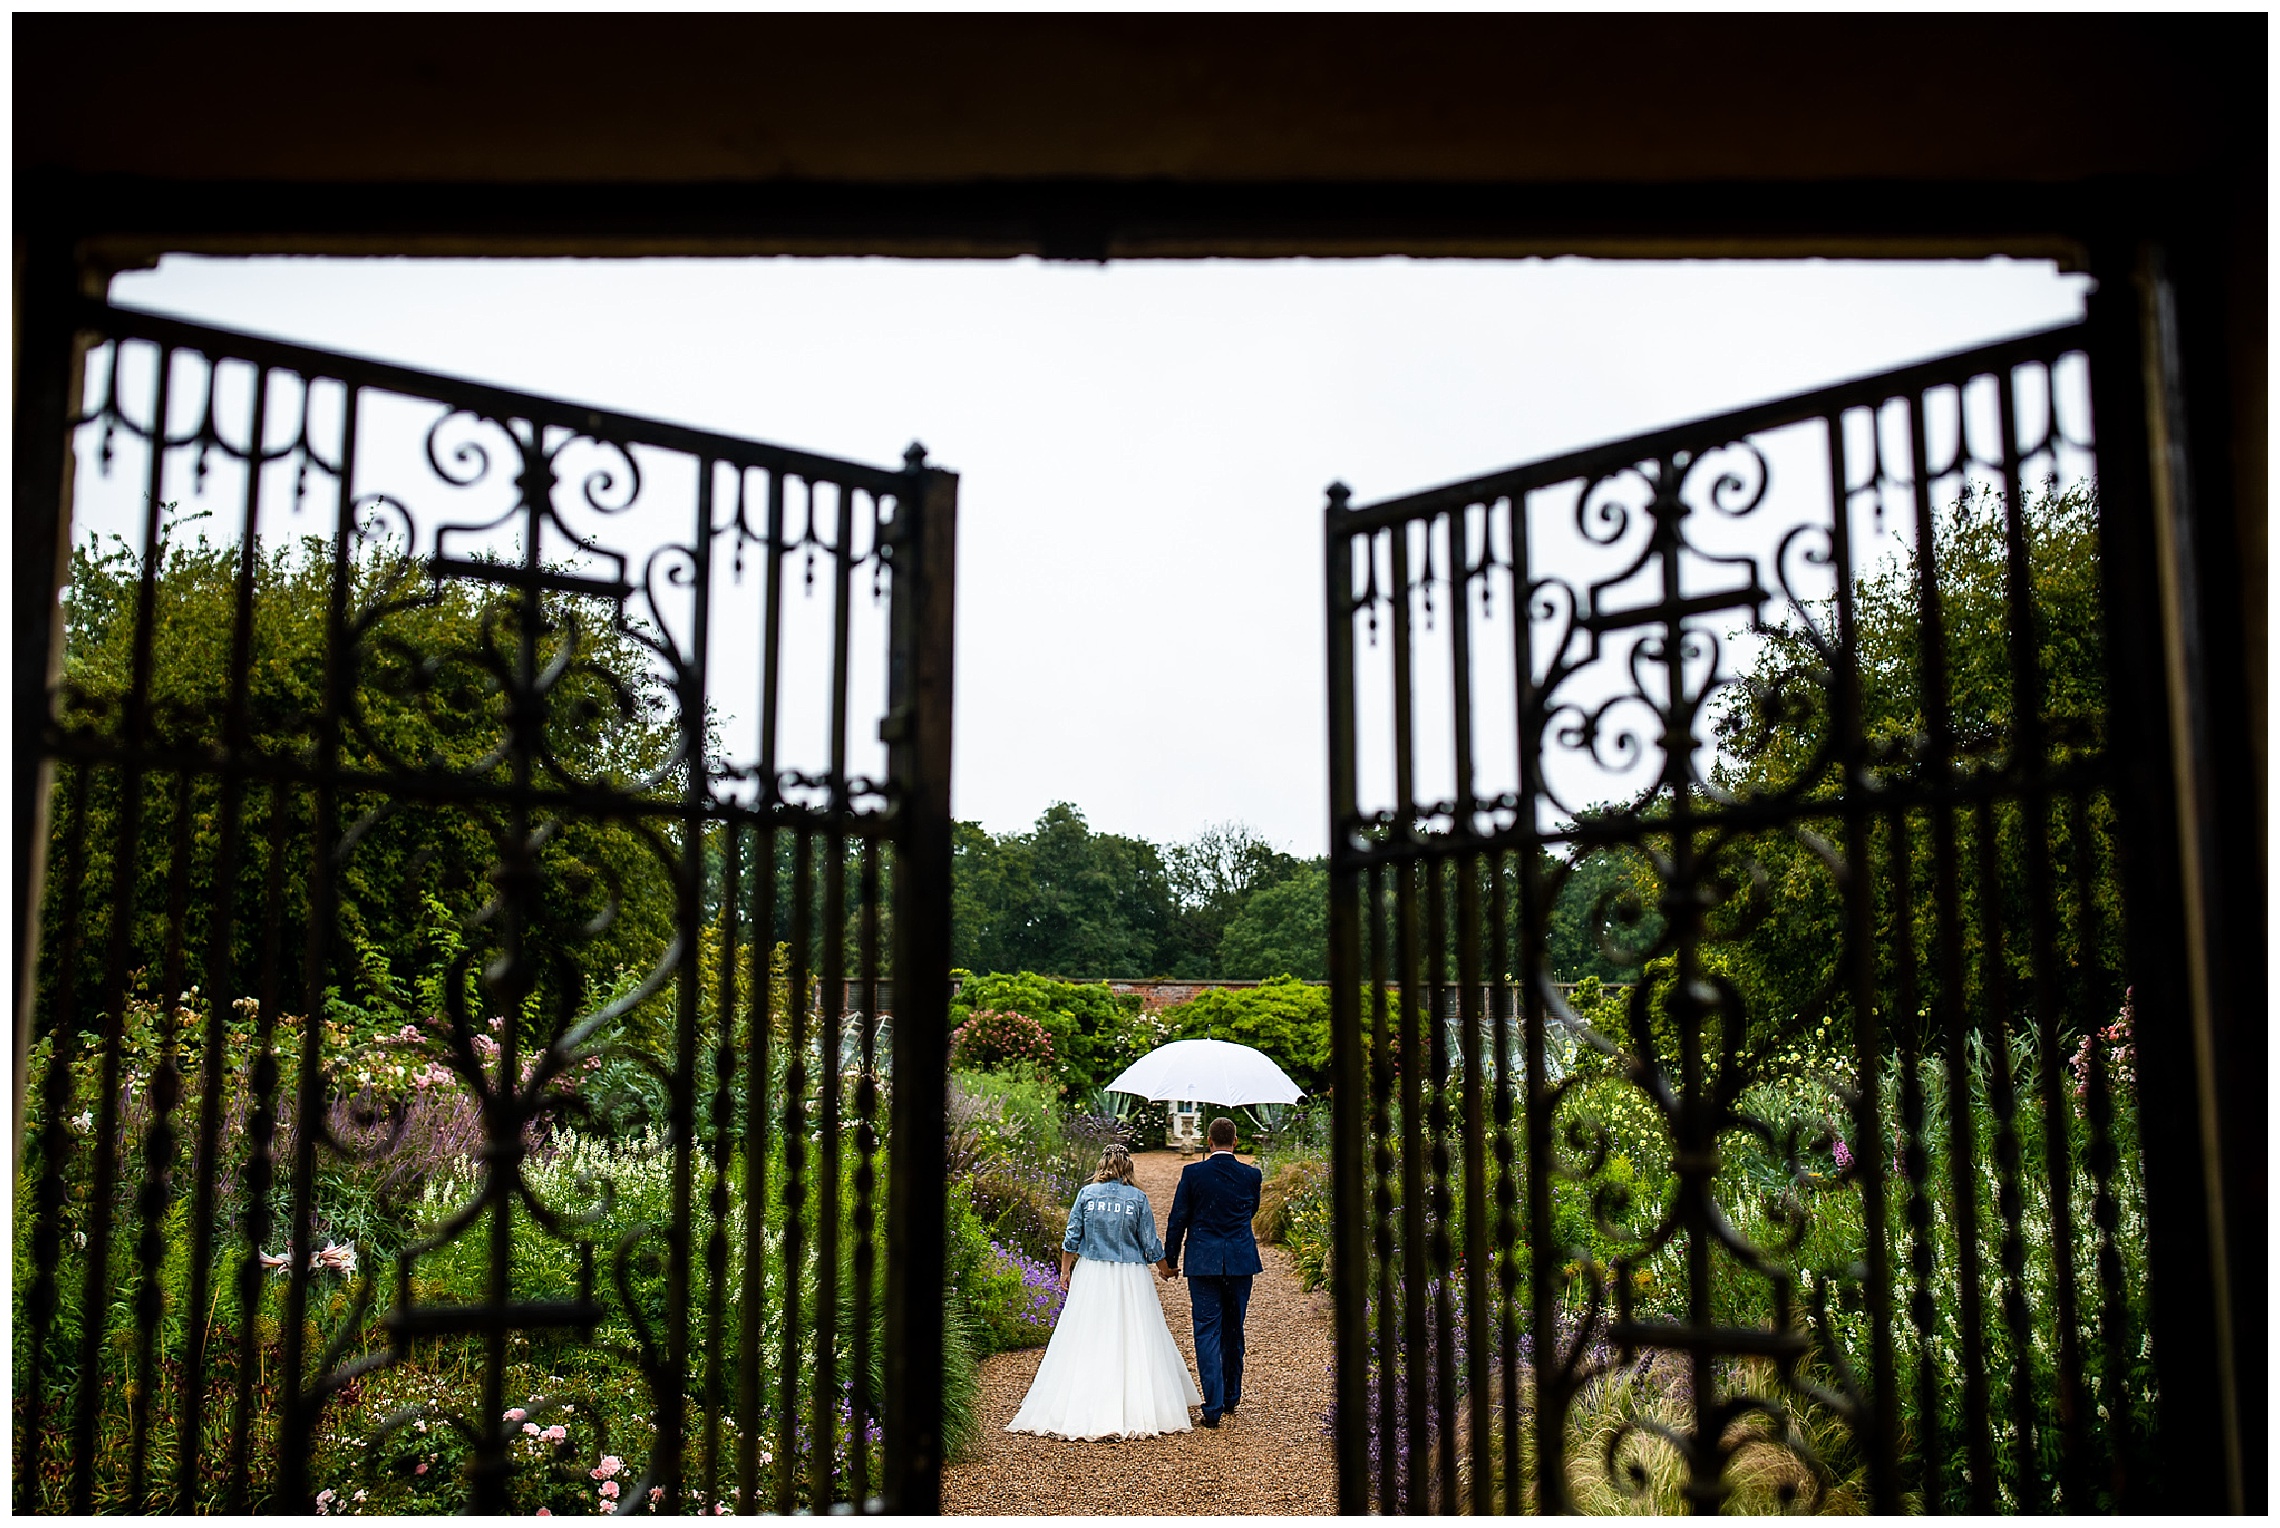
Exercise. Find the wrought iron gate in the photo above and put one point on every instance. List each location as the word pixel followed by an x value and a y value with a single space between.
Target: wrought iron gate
pixel 458 1067
pixel 1797 715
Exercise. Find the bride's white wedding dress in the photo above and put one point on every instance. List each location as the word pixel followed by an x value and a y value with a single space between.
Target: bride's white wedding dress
pixel 1112 1369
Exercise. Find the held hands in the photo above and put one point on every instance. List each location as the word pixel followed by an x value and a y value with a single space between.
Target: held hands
pixel 1165 1270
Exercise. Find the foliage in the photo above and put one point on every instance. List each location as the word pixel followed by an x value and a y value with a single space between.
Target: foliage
pixel 1018 1211
pixel 1774 730
pixel 1283 929
pixel 997 1039
pixel 1084 1020
pixel 1059 898
pixel 1221 878
pixel 1011 1296
pixel 413 880
pixel 1285 1018
pixel 1289 1181
pixel 1062 898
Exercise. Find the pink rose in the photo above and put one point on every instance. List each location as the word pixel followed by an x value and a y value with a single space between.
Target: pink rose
pixel 610 1489
pixel 555 1434
pixel 530 1429
pixel 609 1466
pixel 421 1469
pixel 516 1413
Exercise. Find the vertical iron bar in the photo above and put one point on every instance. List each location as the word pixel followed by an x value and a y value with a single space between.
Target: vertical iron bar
pixel 1962 1148
pixel 1916 1167
pixel 923 638
pixel 724 1136
pixel 2030 765
pixel 134 740
pixel 835 1004
pixel 159 1141
pixel 2117 1337
pixel 751 1400
pixel 1548 1374
pixel 1479 1321
pixel 1695 1129
pixel 297 1413
pixel 862 1402
pixel 1465 830
pixel 2004 1105
pixel 220 968
pixel 56 1096
pixel 261 1130
pixel 795 1191
pixel 1416 1458
pixel 692 681
pixel 1444 1362
pixel 1509 1494
pixel 1385 1356
pixel 1347 1104
pixel 1860 958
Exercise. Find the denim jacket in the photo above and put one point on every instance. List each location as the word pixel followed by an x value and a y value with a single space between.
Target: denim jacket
pixel 1113 1223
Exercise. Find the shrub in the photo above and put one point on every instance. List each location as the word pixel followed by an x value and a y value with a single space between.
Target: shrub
pixel 1285 1018
pixel 1086 1022
pixel 1015 1299
pixel 1308 1236
pixel 997 1039
pixel 1292 1180
pixel 1015 1118
pixel 1018 1212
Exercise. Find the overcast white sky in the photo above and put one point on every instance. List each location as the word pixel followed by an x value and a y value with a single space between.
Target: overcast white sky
pixel 1143 448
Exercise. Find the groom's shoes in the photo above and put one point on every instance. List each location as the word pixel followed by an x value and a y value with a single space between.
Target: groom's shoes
pixel 1208 1420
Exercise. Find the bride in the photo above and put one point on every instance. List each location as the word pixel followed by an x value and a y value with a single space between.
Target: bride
pixel 1112 1369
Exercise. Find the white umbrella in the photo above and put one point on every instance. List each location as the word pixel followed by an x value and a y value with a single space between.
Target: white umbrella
pixel 1208 1071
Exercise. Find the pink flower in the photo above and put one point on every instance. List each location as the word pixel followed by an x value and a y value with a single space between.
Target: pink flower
pixel 516 1414
pixel 546 1512
pixel 656 1493
pixel 609 1488
pixel 609 1466
pixel 530 1429
pixel 420 1468
pixel 555 1434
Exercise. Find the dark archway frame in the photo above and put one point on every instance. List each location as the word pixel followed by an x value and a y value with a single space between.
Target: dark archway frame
pixel 2174 337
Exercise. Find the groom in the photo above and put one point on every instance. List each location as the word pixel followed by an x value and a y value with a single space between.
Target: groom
pixel 1212 1211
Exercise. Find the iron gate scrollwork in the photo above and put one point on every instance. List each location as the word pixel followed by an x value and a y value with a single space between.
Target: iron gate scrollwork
pixel 473 886
pixel 1794 717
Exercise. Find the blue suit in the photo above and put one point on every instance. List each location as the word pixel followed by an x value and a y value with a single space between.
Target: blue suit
pixel 1211 1214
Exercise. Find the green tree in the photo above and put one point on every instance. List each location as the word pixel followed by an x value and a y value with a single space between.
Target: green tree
pixel 1281 929
pixel 1059 898
pixel 411 879
pixel 1775 731
pixel 1213 878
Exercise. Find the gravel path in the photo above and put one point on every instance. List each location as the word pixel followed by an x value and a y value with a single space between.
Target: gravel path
pixel 1270 1457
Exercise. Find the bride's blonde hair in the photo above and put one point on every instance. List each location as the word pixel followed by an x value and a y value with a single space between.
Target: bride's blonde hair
pixel 1115 1165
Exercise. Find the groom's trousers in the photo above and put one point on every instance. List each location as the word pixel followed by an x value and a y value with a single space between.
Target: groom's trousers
pixel 1218 1302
